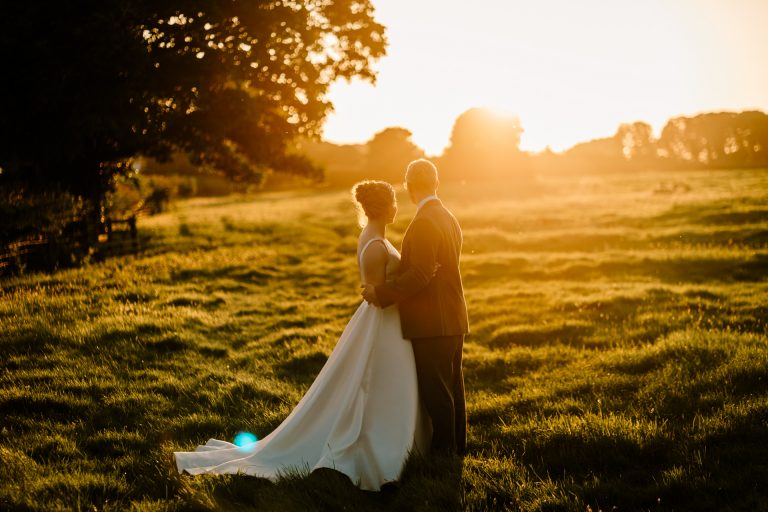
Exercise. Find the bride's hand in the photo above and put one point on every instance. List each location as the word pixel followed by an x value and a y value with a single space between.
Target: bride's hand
pixel 369 294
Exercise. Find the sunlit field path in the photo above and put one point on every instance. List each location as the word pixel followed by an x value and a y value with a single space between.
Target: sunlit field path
pixel 618 354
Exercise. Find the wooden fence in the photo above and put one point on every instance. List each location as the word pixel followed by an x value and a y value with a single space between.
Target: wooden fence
pixel 79 239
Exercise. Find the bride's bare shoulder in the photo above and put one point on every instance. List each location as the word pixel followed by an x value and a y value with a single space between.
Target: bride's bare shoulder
pixel 371 245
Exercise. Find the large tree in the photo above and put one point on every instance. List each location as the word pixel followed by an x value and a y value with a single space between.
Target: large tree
pixel 389 152
pixel 636 141
pixel 232 83
pixel 484 145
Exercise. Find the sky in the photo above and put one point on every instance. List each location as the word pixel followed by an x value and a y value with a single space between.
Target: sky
pixel 570 70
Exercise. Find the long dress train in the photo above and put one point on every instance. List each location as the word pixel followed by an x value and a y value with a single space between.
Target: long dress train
pixel 361 416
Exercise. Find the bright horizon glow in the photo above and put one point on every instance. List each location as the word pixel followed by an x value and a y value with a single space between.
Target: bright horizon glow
pixel 571 71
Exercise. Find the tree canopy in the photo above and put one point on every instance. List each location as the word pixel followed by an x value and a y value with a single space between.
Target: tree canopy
pixel 636 141
pixel 88 85
pixel 716 139
pixel 388 154
pixel 483 145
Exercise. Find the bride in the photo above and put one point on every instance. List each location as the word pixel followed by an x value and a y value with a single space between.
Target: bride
pixel 361 416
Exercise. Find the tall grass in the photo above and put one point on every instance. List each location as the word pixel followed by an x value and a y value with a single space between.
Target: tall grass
pixel 618 358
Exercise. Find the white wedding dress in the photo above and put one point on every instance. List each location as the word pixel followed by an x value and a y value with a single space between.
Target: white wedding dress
pixel 361 416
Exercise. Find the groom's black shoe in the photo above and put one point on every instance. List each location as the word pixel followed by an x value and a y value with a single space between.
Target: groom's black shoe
pixel 330 474
pixel 390 487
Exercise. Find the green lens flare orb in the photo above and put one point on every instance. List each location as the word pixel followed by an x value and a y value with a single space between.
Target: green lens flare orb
pixel 246 441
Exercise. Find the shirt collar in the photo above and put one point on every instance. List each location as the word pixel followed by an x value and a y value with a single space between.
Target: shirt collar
pixel 425 201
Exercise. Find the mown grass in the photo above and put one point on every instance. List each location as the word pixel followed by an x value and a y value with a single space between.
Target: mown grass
pixel 618 359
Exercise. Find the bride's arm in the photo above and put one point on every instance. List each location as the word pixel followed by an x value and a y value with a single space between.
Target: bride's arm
pixel 375 264
pixel 422 268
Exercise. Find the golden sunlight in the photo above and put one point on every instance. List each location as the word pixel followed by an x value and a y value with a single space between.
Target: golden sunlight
pixel 571 71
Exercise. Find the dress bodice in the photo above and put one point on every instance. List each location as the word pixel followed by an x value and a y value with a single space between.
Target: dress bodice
pixel 393 259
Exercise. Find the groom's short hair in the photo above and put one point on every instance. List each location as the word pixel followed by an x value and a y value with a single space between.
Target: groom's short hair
pixel 421 174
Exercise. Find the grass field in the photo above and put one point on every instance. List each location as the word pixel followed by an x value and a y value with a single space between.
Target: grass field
pixel 618 358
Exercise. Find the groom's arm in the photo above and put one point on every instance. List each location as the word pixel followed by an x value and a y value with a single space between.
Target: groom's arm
pixel 422 261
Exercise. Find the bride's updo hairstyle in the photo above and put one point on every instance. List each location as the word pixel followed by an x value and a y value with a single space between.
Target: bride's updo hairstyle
pixel 374 199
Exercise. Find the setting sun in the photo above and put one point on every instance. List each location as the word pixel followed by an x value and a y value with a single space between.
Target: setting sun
pixel 571 71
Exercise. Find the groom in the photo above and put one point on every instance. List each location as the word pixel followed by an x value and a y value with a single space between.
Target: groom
pixel 433 312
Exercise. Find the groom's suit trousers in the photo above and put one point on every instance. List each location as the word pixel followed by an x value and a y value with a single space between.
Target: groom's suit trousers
pixel 441 387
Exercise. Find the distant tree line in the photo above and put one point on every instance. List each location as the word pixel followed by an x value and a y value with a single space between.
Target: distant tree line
pixel 483 144
pixel 705 141
pixel 486 146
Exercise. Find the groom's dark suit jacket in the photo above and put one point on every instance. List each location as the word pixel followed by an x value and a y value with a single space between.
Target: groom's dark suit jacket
pixel 428 286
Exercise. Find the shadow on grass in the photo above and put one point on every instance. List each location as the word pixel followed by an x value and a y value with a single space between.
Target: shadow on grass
pixel 736 458
pixel 698 473
pixel 194 301
pixel 134 297
pixel 44 405
pixel 687 360
pixel 671 270
pixel 614 309
pixel 682 426
pixel 491 373
pixel 242 393
pixel 243 273
pixel 114 443
pixel 740 237
pixel 36 341
pixel 712 212
pixel 734 218
pixel 667 270
pixel 302 369
pixel 432 483
pixel 583 453
pixel 527 335
pixel 70 491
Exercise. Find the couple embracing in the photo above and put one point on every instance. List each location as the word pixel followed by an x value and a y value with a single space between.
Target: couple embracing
pixel 393 383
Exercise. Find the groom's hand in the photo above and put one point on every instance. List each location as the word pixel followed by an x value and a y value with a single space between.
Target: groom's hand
pixel 369 294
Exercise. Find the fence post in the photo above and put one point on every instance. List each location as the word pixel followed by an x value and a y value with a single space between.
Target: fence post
pixel 134 233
